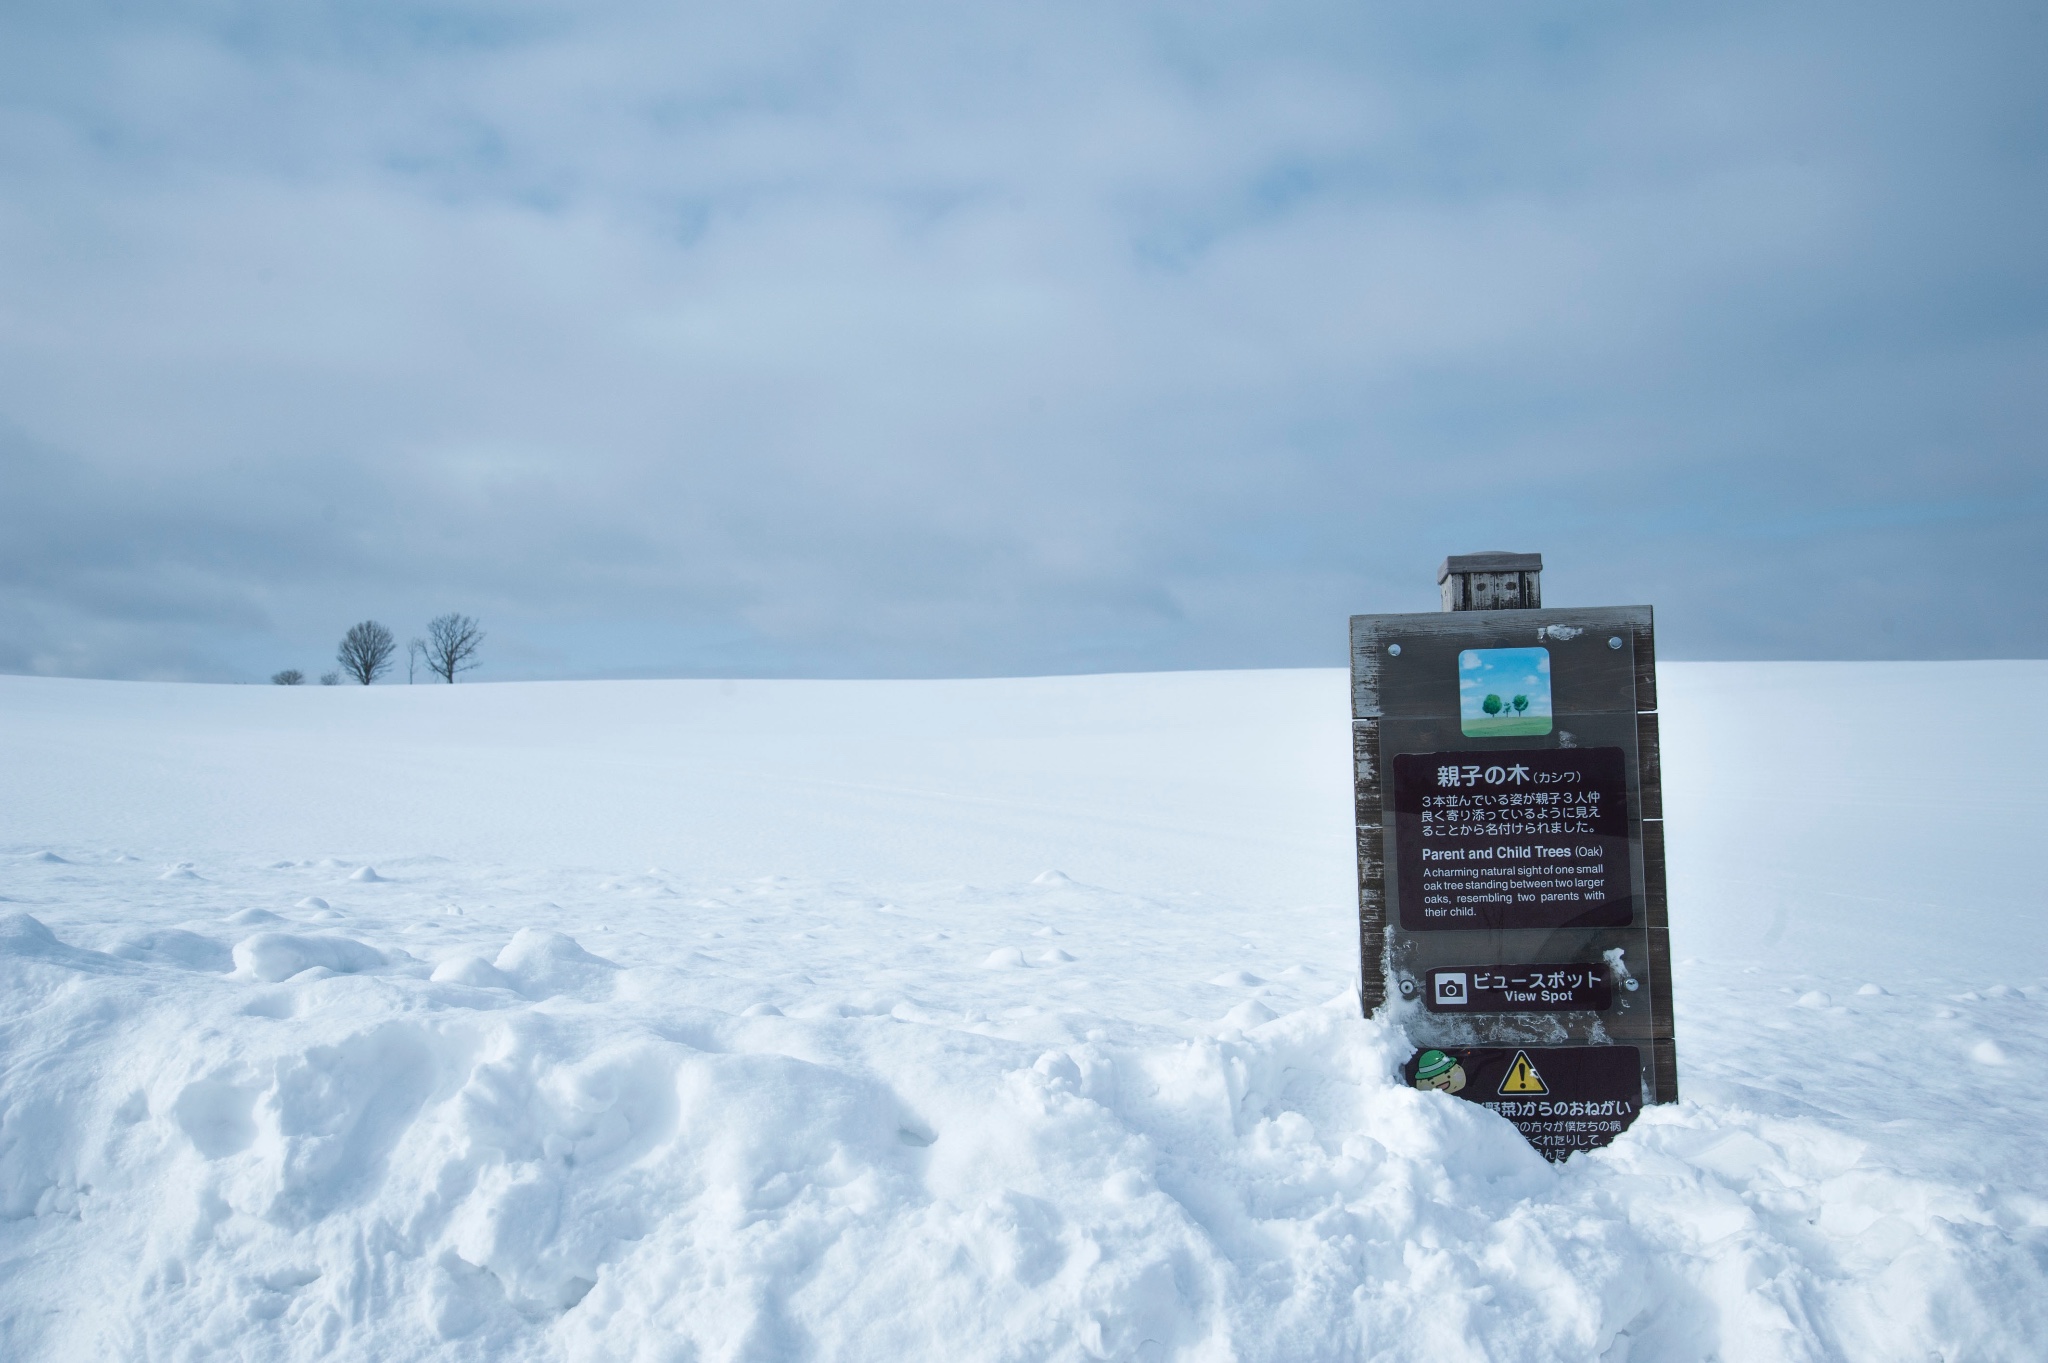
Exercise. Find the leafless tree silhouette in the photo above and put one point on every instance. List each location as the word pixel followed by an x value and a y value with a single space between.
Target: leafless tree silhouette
pixel 415 649
pixel 365 651
pixel 452 642
pixel 291 676
pixel 330 679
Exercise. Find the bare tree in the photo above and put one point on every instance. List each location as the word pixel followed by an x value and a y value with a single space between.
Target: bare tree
pixel 415 649
pixel 291 676
pixel 365 651
pixel 330 679
pixel 452 642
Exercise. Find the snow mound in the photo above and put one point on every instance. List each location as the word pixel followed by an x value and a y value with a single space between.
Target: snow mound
pixel 472 970
pixel 365 873
pixel 47 858
pixel 23 935
pixel 274 956
pixel 1004 958
pixel 1237 979
pixel 1249 1014
pixel 192 950
pixel 29 939
pixel 541 964
pixel 582 1185
pixel 249 918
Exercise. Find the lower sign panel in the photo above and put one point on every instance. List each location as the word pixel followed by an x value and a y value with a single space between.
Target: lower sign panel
pixel 1561 1098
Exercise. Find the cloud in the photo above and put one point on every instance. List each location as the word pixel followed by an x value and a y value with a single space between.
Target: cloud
pixel 911 339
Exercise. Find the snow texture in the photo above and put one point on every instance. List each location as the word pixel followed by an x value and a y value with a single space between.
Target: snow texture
pixel 974 1020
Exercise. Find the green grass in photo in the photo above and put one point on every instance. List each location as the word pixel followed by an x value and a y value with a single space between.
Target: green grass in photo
pixel 1505 726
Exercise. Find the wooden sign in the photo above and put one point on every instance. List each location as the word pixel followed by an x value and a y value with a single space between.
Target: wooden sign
pixel 1511 856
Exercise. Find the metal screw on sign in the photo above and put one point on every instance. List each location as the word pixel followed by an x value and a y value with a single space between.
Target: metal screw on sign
pixel 1614 641
pixel 1394 649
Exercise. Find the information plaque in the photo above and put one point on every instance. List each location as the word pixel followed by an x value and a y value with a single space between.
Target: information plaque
pixel 1562 1098
pixel 1530 838
pixel 1511 859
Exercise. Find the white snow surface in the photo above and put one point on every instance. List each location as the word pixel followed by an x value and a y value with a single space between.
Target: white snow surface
pixel 979 1020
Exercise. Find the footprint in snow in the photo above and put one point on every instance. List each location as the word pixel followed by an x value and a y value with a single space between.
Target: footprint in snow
pixel 1237 979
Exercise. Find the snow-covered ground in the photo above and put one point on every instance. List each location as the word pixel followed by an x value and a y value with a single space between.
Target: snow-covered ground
pixel 978 1020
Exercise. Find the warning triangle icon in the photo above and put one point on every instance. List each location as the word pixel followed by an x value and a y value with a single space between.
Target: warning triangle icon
pixel 1522 1077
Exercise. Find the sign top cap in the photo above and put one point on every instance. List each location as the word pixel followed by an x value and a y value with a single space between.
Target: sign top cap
pixel 1495 561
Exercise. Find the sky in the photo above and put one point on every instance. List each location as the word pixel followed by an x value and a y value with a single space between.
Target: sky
pixel 917 339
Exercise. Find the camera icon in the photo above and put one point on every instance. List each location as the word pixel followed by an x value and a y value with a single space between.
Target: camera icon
pixel 1451 990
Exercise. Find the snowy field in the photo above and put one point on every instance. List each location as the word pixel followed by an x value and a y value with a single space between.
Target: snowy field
pixel 991 1020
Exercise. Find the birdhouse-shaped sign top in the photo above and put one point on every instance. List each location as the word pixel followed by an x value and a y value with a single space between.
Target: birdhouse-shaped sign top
pixel 1491 582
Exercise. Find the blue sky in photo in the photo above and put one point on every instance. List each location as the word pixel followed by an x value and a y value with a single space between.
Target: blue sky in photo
pixel 1507 673
pixel 910 339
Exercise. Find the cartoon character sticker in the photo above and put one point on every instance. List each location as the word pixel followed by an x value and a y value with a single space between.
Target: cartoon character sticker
pixel 1435 1070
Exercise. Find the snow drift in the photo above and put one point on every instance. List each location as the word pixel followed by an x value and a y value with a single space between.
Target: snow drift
pixel 971 1020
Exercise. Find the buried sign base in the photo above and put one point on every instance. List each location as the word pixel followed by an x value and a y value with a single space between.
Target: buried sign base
pixel 1561 1098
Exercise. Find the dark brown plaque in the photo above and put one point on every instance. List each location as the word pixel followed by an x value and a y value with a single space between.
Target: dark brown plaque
pixel 1524 838
pixel 1561 1098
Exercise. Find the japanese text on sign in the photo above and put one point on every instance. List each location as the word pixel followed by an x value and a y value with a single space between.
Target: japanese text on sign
pixel 1519 989
pixel 1530 839
pixel 1472 774
pixel 1536 811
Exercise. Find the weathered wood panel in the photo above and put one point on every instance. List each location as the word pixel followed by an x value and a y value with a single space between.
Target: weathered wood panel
pixel 1646 661
pixel 1656 904
pixel 1659 981
pixel 1650 764
pixel 1664 1070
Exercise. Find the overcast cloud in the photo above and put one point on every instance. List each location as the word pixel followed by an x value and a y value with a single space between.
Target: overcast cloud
pixel 931 339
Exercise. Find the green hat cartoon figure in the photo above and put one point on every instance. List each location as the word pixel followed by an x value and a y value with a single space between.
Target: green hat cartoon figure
pixel 1435 1070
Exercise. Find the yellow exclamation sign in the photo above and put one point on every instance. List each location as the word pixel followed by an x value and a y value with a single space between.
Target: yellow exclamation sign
pixel 1522 1077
